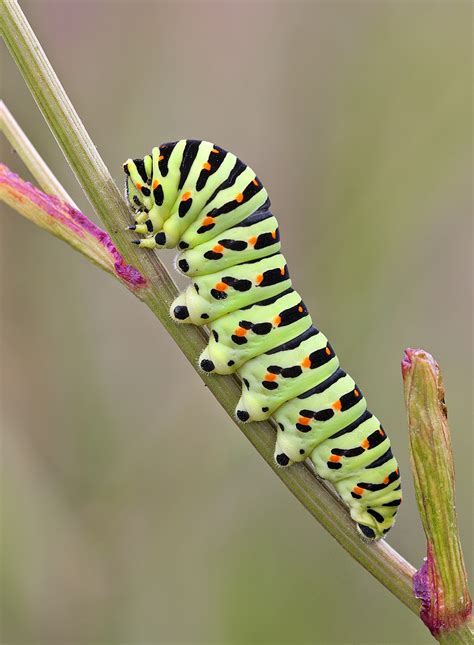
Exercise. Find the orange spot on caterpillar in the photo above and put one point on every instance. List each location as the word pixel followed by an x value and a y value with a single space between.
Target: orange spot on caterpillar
pixel 337 405
pixel 239 198
pixel 207 220
pixel 138 185
pixel 156 183
pixel 161 157
pixel 270 377
pixel 255 182
pixel 306 362
pixel 282 270
pixel 357 490
pixel 186 196
pixel 304 421
pixel 206 165
pixel 396 472
pixel 386 480
pixel 218 248
pixel 215 151
pixel 365 444
pixel 300 309
pixel 381 432
pixel 274 234
pixel 328 351
pixel 221 286
pixel 240 331
pixel 277 321
pixel 259 279
pixel 252 241
pixel 356 393
pixel 334 458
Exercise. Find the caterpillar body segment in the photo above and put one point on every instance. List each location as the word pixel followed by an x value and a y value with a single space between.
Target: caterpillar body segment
pixel 256 237
pixel 245 333
pixel 210 296
pixel 284 372
pixel 195 196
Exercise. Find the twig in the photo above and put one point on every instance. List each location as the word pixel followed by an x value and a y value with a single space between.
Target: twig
pixel 441 582
pixel 30 156
pixel 68 224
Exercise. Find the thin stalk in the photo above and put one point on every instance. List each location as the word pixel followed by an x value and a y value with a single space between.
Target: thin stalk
pixel 441 583
pixel 379 559
pixel 68 224
pixel 31 157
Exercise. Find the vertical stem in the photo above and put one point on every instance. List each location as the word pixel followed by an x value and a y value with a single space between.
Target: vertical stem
pixel 441 582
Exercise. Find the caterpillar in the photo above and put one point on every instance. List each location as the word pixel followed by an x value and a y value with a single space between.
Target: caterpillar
pixel 197 197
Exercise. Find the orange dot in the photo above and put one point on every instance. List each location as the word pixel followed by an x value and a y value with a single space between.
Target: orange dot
pixel 221 286
pixel 365 444
pixel 386 480
pixel 161 157
pixel 218 248
pixel 270 377
pixel 252 241
pixel 396 472
pixel 356 393
pixel 306 362
pixel 381 432
pixel 274 234
pixel 240 331
pixel 300 309
pixel 334 458
pixel 337 405
pixel 277 321
pixel 186 196
pixel 357 490
pixel 138 185
pixel 239 198
pixel 328 351
pixel 215 151
pixel 282 270
pixel 207 220
pixel 304 421
pixel 259 279
pixel 156 183
pixel 255 182
pixel 206 165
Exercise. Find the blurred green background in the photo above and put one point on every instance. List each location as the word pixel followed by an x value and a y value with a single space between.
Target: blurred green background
pixel 133 509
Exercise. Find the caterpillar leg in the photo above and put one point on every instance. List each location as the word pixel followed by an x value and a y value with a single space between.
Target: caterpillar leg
pixel 288 450
pixel 178 310
pixel 141 229
pixel 141 217
pixel 146 243
pixel 250 409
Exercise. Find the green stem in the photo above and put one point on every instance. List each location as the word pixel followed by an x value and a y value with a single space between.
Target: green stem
pixel 379 559
pixel 441 582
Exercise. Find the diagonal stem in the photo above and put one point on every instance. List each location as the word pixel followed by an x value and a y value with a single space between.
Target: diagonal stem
pixel 31 157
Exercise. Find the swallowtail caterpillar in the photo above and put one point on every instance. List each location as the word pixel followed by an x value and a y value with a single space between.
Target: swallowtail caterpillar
pixel 197 197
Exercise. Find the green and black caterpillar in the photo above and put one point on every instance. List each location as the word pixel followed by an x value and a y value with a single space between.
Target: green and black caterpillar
pixel 197 197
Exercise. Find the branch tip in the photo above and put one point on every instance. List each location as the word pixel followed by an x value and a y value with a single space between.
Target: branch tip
pixel 441 582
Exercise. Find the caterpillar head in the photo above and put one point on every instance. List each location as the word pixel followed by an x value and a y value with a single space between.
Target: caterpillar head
pixel 138 183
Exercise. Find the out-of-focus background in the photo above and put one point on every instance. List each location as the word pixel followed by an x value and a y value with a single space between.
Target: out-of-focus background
pixel 133 509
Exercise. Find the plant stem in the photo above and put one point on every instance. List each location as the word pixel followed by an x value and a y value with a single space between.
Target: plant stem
pixel 30 156
pixel 68 224
pixel 441 582
pixel 379 559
